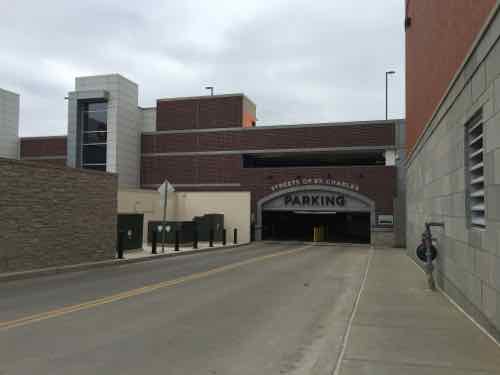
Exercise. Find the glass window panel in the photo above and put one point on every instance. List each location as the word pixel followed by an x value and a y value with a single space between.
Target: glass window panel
pixel 94 154
pixel 98 137
pixel 101 106
pixel 101 167
pixel 94 121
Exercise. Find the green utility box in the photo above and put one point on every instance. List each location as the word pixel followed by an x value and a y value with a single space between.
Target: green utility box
pixel 209 221
pixel 131 225
pixel 185 228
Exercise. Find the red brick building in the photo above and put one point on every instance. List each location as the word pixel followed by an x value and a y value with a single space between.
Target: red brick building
pixel 436 28
pixel 47 149
pixel 211 143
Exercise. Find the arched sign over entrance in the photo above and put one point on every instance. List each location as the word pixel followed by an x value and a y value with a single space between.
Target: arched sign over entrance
pixel 314 198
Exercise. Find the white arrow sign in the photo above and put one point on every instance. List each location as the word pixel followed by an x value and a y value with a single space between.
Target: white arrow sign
pixel 165 188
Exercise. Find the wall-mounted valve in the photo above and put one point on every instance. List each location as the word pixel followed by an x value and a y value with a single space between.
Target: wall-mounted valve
pixel 427 252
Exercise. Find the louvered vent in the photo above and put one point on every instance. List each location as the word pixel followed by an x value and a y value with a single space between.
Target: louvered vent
pixel 475 171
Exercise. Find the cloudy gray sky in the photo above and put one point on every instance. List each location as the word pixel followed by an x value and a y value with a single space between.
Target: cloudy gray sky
pixel 298 60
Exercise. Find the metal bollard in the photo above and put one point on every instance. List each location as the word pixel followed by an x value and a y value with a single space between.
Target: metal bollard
pixel 195 238
pixel 176 240
pixel 211 238
pixel 235 236
pixel 119 248
pixel 153 242
pixel 224 234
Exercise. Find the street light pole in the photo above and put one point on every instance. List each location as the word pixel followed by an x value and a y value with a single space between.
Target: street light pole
pixel 211 88
pixel 387 92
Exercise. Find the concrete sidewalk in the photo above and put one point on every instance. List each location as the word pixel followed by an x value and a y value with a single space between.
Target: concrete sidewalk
pixel 400 327
pixel 169 249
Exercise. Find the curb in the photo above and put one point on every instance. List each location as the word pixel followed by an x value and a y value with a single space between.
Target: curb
pixel 102 264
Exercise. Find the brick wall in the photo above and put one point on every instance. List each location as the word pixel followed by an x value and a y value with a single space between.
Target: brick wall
pixel 43 146
pixel 272 138
pixel 200 113
pixel 440 35
pixel 54 215
pixel 376 182
pixel 44 149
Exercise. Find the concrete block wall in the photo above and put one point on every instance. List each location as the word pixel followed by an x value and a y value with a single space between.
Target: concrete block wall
pixel 468 266
pixel 53 216
pixel 147 119
pixel 128 147
pixel 400 199
pixel 9 124
pixel 383 238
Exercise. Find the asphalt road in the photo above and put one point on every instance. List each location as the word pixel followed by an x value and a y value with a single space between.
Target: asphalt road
pixel 266 308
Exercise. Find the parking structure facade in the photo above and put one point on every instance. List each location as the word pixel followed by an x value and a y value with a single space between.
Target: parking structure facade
pixel 325 182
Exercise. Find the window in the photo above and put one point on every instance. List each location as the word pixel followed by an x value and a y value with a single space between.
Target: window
pixel 95 137
pixel 94 121
pixel 94 154
pixel 474 167
pixel 94 125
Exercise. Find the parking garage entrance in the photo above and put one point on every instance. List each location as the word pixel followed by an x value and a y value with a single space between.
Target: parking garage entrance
pixel 316 213
pixel 316 226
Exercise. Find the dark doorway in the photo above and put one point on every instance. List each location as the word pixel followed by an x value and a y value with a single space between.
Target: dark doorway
pixel 352 227
pixel 131 225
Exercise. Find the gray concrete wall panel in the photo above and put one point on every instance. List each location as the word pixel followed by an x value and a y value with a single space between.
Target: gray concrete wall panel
pixel 468 265
pixel 124 124
pixel 9 124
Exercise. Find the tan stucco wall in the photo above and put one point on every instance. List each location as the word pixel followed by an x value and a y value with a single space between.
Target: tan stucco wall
pixel 184 206
pixel 145 202
pixel 234 205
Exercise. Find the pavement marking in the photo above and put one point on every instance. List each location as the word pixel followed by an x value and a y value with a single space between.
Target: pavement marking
pixel 9 324
pixel 345 340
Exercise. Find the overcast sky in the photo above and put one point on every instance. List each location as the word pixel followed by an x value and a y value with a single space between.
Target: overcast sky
pixel 298 60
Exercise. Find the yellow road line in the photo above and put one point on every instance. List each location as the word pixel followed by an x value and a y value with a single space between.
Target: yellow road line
pixel 9 324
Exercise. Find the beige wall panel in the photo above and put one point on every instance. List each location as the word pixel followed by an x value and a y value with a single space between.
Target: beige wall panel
pixel 146 202
pixel 234 205
pixel 183 206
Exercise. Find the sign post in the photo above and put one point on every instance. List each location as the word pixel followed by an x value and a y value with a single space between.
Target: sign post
pixel 164 189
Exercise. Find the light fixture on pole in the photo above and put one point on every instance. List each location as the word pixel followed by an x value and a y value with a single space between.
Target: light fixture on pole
pixel 386 92
pixel 211 88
